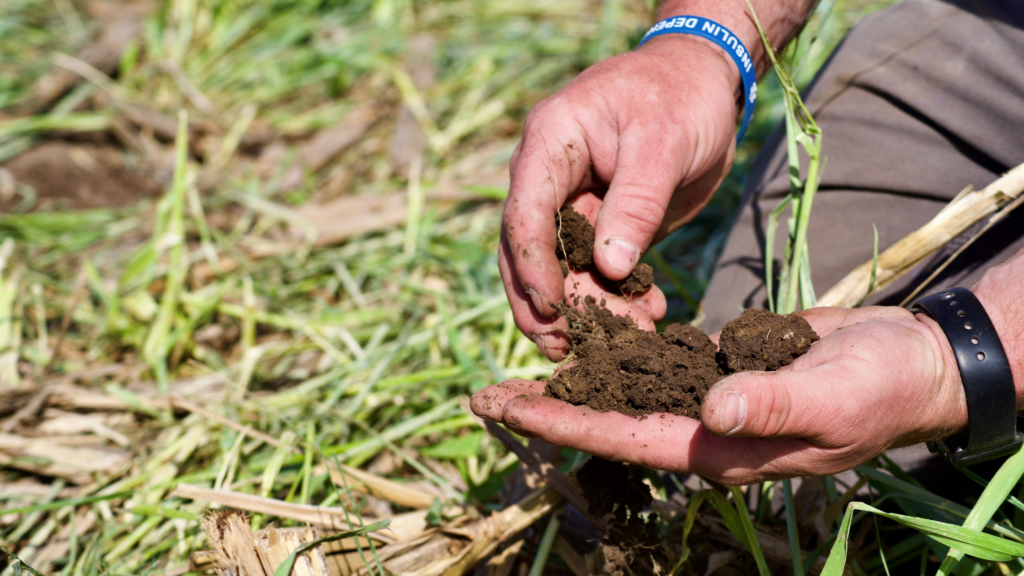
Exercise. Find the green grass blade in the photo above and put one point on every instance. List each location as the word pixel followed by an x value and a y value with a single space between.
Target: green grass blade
pixel 158 342
pixel 791 530
pixel 544 550
pixel 874 271
pixel 837 557
pixel 737 521
pixel 769 251
pixel 997 491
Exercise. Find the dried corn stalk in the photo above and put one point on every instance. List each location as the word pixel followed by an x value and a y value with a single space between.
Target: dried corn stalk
pixel 962 213
pixel 418 549
pixel 237 551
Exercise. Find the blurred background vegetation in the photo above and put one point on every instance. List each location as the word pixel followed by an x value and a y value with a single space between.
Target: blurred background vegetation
pixel 243 240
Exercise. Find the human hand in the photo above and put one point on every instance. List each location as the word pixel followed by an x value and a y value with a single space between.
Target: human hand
pixel 879 378
pixel 651 135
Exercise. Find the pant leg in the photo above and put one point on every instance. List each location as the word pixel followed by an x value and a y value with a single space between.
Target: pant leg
pixel 921 99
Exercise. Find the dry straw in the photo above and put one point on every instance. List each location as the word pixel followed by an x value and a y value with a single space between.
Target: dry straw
pixel 968 208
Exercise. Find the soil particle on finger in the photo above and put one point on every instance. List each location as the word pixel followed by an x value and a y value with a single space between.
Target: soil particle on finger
pixel 575 251
pixel 760 340
pixel 639 281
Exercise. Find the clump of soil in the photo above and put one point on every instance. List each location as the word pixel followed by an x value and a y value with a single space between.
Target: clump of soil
pixel 616 492
pixel 575 251
pixel 619 367
pixel 761 340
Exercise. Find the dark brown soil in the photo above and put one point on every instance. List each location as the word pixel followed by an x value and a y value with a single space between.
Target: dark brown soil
pixel 575 239
pixel 618 367
pixel 616 492
pixel 760 340
pixel 575 251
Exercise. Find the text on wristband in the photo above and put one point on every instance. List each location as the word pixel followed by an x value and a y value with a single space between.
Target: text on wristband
pixel 710 28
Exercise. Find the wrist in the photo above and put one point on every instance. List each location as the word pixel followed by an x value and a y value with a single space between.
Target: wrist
pixel 949 413
pixel 731 15
pixel 999 292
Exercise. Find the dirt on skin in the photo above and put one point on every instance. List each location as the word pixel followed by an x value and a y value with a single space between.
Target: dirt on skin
pixel 616 366
pixel 575 251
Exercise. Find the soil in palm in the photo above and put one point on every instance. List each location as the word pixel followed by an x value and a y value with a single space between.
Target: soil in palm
pixel 616 366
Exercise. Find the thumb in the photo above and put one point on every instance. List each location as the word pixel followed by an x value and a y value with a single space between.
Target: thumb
pixel 633 208
pixel 788 403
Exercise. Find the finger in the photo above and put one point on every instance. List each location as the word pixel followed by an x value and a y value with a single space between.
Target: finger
pixel 660 441
pixel 646 175
pixel 644 308
pixel 651 303
pixel 490 402
pixel 552 163
pixel 547 333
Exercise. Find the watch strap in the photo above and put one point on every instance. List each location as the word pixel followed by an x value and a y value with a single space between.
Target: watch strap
pixel 985 373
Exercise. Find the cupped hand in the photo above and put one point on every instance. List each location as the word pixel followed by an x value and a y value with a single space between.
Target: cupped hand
pixel 879 378
pixel 651 134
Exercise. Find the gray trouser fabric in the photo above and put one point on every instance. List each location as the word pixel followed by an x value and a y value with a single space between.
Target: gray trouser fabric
pixel 921 99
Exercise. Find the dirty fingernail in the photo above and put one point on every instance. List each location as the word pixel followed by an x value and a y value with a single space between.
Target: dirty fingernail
pixel 539 341
pixel 734 412
pixel 538 304
pixel 621 254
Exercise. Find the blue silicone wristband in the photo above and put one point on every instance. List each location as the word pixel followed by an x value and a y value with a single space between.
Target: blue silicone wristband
pixel 728 41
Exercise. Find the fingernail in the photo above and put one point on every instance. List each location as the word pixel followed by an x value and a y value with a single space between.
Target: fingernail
pixel 538 304
pixel 644 305
pixel 540 343
pixel 733 413
pixel 621 254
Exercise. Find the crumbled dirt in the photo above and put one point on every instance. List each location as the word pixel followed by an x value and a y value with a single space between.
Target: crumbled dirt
pixel 576 239
pixel 75 175
pixel 760 340
pixel 575 251
pixel 619 367
pixel 616 492
pixel 616 366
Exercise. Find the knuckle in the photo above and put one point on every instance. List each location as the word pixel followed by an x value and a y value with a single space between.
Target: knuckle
pixel 776 418
pixel 638 207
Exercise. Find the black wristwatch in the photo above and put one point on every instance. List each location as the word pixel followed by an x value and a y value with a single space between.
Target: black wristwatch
pixel 985 372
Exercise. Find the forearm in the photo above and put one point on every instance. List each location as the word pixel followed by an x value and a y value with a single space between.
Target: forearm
pixel 781 20
pixel 1000 291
